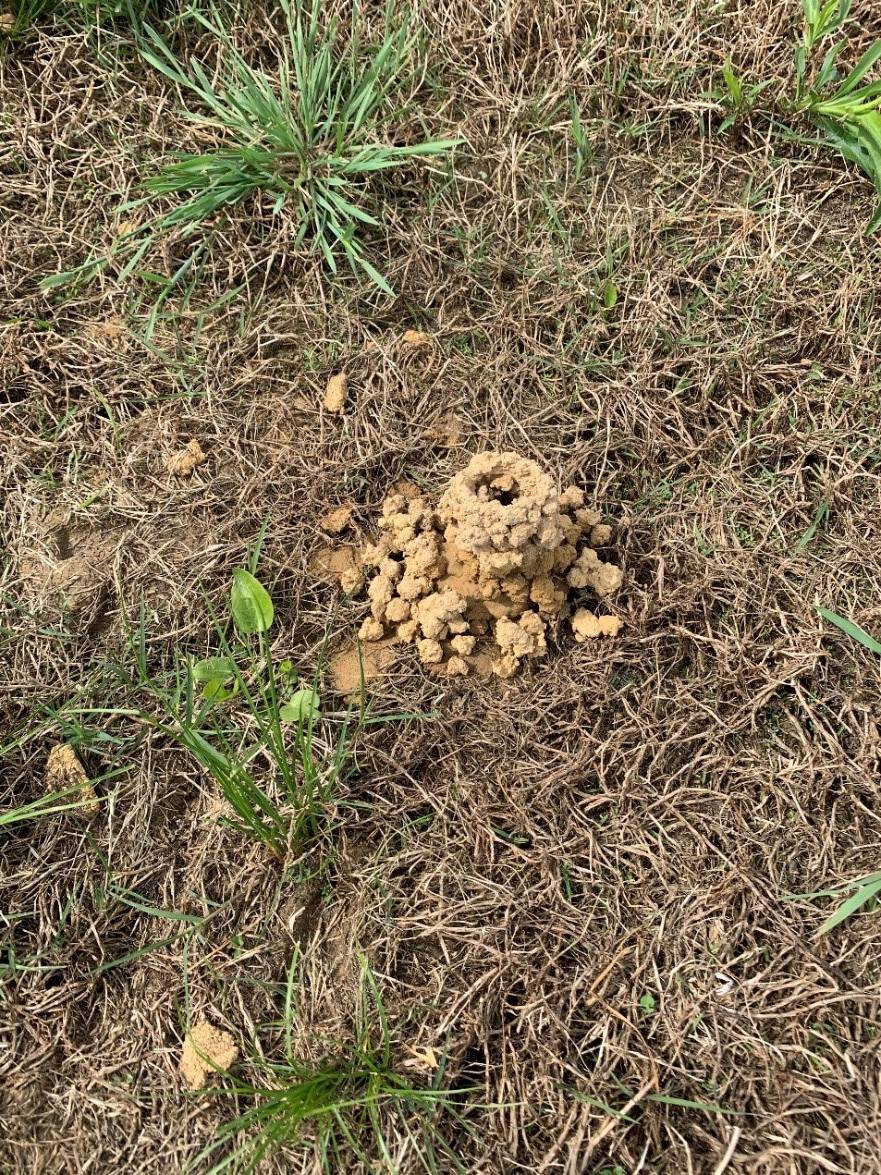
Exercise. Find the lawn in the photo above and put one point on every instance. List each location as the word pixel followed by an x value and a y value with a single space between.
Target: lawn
pixel 261 263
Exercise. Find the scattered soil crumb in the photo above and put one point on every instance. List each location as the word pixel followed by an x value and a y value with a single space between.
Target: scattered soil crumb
pixel 184 461
pixel 336 392
pixel 424 1058
pixel 205 1050
pixel 447 433
pixel 345 666
pixel 408 488
pixel 412 339
pixel 65 771
pixel 586 625
pixel 344 565
pixel 482 574
pixel 335 521
pixel 7 21
pixel 109 328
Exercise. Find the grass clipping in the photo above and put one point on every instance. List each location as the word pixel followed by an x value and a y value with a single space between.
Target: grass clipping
pixel 475 581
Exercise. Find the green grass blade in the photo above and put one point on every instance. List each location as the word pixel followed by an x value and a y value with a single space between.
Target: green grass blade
pixel 852 630
pixel 666 1099
pixel 810 533
pixel 864 894
pixel 47 805
pixel 859 71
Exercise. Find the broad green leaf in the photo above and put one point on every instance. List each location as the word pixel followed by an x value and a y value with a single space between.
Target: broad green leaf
pixel 828 70
pixel 301 706
pixel 249 603
pixel 852 630
pixel 800 62
pixel 216 691
pixel 285 672
pixel 610 294
pixel 864 894
pixel 214 669
pixel 862 67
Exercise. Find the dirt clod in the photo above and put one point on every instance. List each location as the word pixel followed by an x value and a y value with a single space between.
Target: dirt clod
pixel 336 392
pixel 586 626
pixel 335 521
pixel 184 461
pixel 65 772
pixel 447 433
pixel 342 564
pixel 370 658
pixel 495 562
pixel 205 1050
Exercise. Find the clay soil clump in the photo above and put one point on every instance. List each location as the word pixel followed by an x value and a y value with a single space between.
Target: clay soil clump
pixel 484 573
pixel 206 1050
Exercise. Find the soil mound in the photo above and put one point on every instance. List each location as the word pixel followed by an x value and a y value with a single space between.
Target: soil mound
pixel 502 555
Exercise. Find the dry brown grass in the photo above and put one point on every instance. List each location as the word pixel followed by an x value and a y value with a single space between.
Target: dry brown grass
pixel 624 820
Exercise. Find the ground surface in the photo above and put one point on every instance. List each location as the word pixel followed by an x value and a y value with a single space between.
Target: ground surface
pixel 576 880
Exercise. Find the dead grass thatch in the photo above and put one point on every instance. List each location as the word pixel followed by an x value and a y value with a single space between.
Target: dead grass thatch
pixel 574 884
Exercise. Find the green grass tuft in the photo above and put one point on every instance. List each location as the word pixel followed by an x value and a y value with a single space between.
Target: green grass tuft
pixel 307 139
pixel 349 1106
pixel 846 109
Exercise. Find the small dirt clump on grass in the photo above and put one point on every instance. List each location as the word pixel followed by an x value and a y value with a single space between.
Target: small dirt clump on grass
pixel 337 520
pixel 502 555
pixel 65 772
pixel 206 1049
pixel 183 462
pixel 336 392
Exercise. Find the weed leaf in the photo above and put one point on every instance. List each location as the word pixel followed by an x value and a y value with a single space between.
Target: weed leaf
pixel 249 603
pixel 302 706
pixel 214 669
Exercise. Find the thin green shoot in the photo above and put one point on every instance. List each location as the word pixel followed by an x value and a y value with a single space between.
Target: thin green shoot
pixel 737 97
pixel 664 1099
pixel 810 534
pixel 584 152
pixel 865 890
pixel 48 805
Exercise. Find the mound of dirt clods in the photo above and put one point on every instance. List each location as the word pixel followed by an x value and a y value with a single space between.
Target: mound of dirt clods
pixel 474 580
